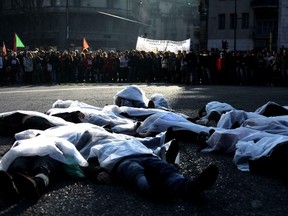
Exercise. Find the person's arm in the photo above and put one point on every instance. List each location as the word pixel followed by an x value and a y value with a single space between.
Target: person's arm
pixel 95 172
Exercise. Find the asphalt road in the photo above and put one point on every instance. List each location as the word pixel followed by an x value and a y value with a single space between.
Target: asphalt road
pixel 235 192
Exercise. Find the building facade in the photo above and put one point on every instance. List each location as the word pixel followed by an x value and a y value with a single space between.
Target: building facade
pixel 64 23
pixel 106 24
pixel 247 24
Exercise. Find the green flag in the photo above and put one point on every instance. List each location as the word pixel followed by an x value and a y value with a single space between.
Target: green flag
pixel 17 43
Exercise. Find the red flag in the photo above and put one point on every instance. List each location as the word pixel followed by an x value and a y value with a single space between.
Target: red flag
pixel 85 45
pixel 4 49
pixel 17 42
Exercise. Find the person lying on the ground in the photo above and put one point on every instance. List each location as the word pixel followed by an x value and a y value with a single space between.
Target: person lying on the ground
pixel 148 174
pixel 131 96
pixel 223 115
pixel 267 154
pixel 33 164
pixel 272 109
pixel 159 122
pixel 113 154
pixel 254 150
pixel 16 121
pixel 210 114
pixel 225 140
pixel 234 118
pixel 158 101
pixel 86 135
pixel 103 118
pixel 134 96
pixel 123 119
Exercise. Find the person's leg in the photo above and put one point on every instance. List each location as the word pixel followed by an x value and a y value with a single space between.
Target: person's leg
pixel 171 182
pixel 48 166
pixel 180 135
pixel 43 171
pixel 8 188
pixel 163 176
pixel 131 173
pixel 21 165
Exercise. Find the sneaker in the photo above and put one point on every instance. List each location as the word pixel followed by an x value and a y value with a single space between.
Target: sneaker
pixel 29 188
pixel 172 151
pixel 8 188
pixel 204 181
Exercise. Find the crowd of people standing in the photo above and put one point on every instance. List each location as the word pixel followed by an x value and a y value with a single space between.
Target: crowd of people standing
pixel 191 68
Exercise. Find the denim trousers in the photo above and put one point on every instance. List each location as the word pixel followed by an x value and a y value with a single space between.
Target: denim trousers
pixel 163 176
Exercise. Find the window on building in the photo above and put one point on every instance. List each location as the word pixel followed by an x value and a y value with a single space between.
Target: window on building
pixel 245 21
pixel 233 22
pixel 221 21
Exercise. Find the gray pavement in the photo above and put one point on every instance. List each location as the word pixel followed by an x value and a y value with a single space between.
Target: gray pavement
pixel 235 192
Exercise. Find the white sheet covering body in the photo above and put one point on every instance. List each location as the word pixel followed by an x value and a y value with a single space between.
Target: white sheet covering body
pixel 160 122
pixel 133 93
pixel 57 148
pixel 255 148
pixel 228 119
pixel 53 119
pixel 86 137
pixel 118 124
pixel 218 107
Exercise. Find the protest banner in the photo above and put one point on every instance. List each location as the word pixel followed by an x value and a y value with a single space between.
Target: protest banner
pixel 150 45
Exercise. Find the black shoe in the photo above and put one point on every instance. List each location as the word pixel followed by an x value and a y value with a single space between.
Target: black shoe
pixel 8 188
pixel 172 151
pixel 202 138
pixel 204 181
pixel 29 188
pixel 169 135
pixel 151 104
pixel 180 135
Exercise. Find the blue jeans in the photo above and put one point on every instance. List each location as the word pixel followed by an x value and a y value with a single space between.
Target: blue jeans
pixel 132 172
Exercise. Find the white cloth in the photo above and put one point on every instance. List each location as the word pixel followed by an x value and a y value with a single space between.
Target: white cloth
pixel 161 121
pixel 57 148
pixel 255 148
pixel 86 137
pixel 134 93
pixel 53 119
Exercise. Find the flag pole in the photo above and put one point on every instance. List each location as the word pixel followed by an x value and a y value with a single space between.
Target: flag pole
pixel 67 24
pixel 14 43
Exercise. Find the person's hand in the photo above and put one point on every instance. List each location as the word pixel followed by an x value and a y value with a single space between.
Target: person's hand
pixel 104 177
